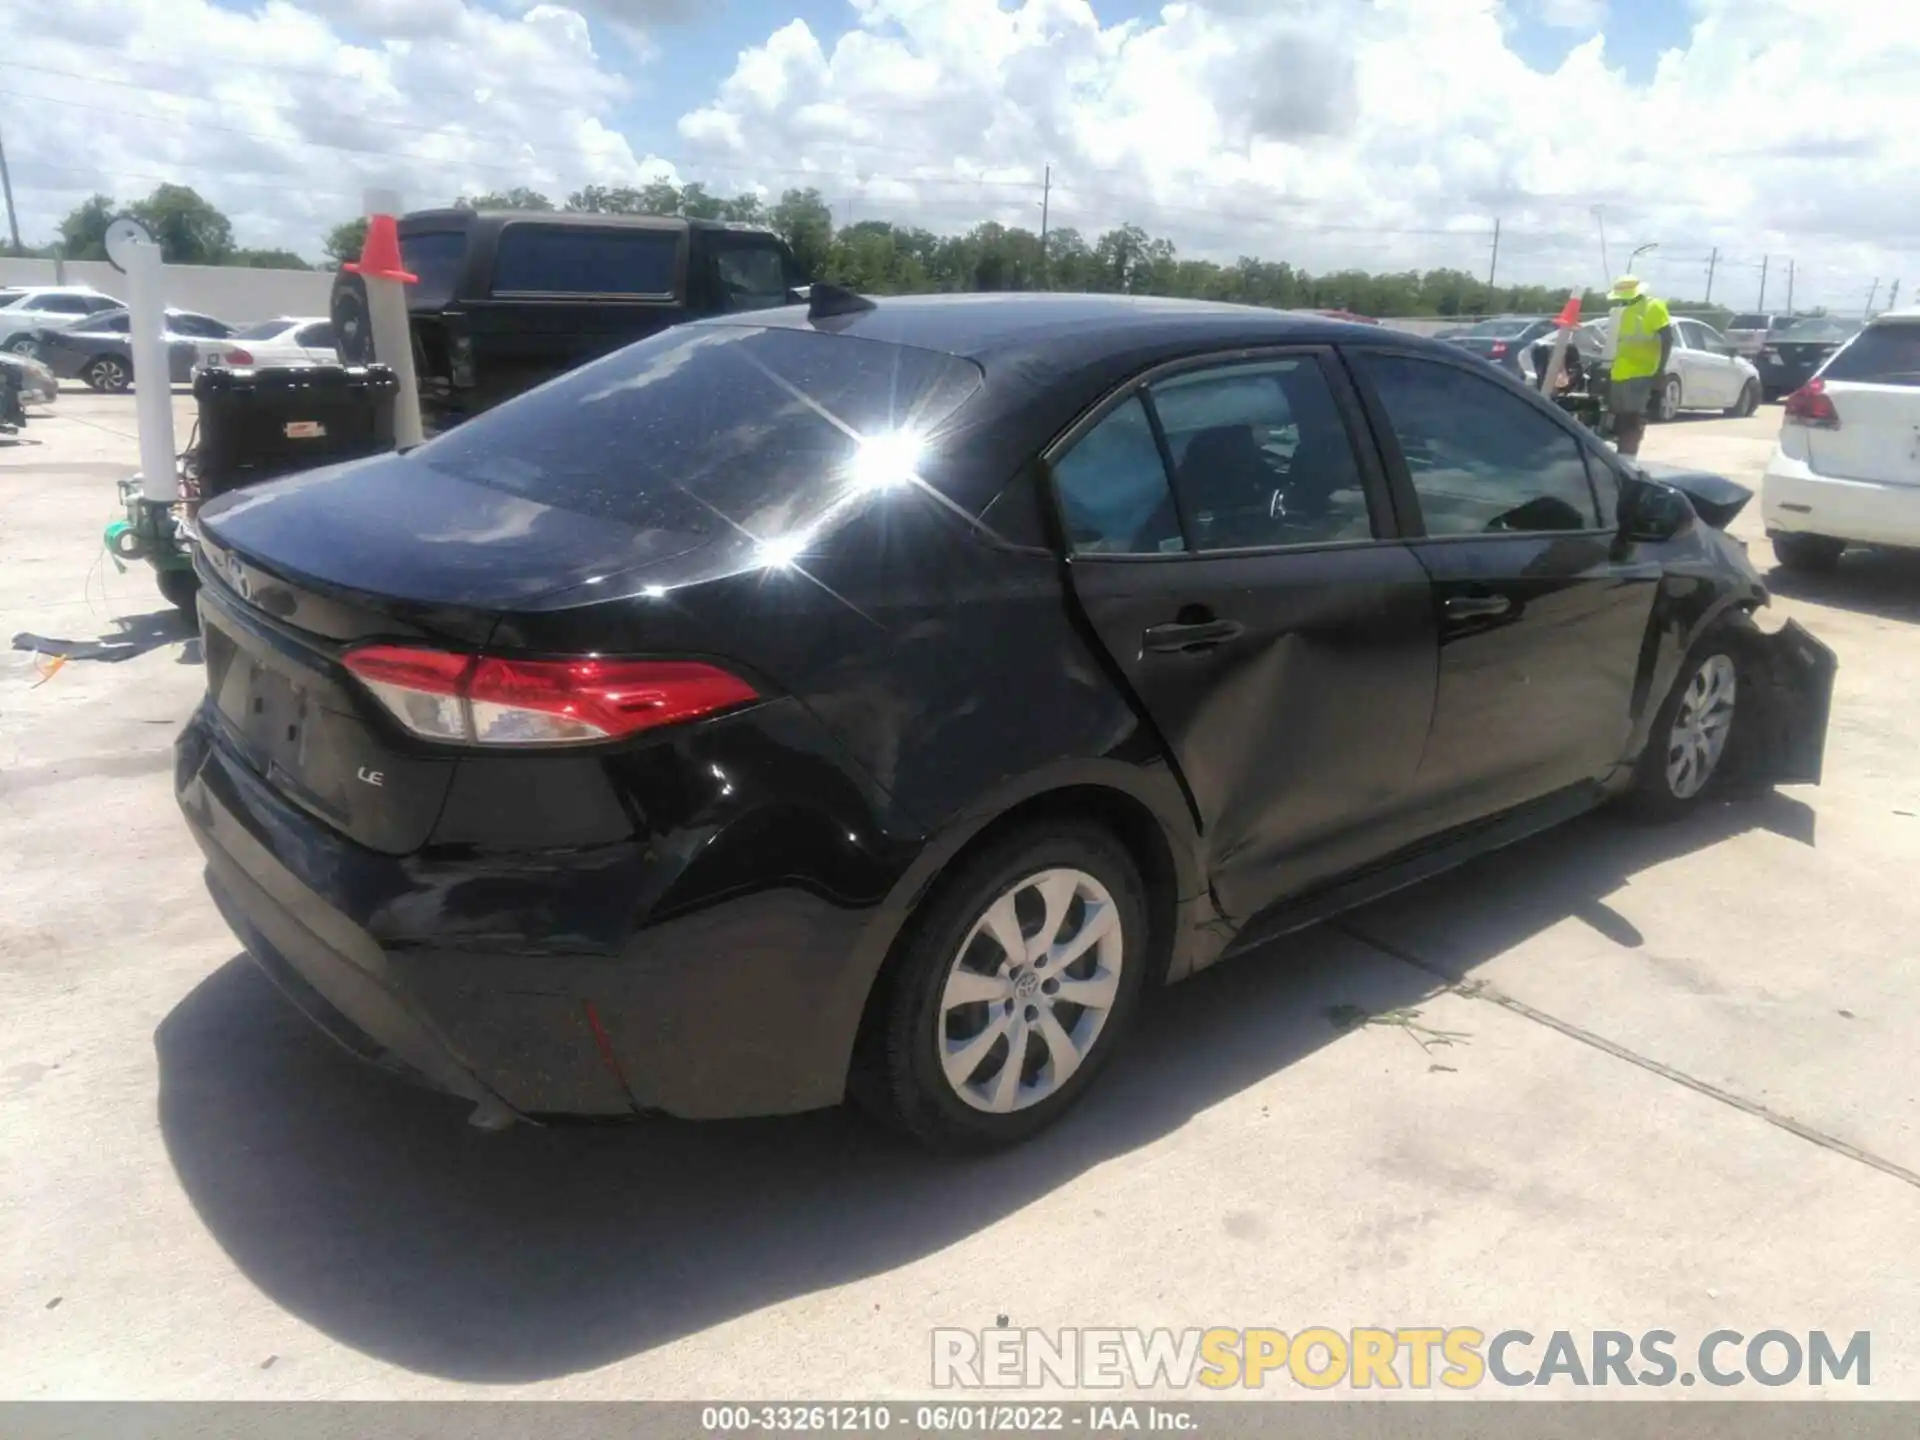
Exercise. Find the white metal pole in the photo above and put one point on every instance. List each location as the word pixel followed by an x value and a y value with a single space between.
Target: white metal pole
pixel 152 373
pixel 393 333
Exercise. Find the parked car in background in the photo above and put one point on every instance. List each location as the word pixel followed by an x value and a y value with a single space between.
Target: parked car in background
pixel 1749 331
pixel 1847 468
pixel 643 744
pixel 1503 340
pixel 1793 355
pixel 26 309
pixel 290 340
pixel 100 352
pixel 1704 373
pixel 507 299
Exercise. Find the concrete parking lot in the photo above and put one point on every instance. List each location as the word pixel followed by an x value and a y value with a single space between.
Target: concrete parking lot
pixel 1616 1077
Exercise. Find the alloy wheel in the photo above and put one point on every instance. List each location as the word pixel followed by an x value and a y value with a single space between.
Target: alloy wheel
pixel 109 375
pixel 1701 726
pixel 1030 990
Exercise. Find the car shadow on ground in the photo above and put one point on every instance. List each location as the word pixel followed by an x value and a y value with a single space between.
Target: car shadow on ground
pixel 1870 582
pixel 132 636
pixel 372 1212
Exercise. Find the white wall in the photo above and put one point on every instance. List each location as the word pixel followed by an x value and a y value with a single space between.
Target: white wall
pixel 233 293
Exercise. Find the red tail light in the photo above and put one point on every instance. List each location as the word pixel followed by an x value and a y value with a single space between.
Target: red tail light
pixel 1811 405
pixel 481 700
pixel 237 356
pixel 1499 348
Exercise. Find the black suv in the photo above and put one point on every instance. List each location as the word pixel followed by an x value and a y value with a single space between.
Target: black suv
pixel 506 299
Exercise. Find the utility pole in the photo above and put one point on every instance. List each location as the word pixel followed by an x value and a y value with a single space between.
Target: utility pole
pixel 1763 280
pixel 1046 195
pixel 1871 292
pixel 1893 296
pixel 1712 261
pixel 1606 266
pixel 1789 285
pixel 6 187
pixel 1492 266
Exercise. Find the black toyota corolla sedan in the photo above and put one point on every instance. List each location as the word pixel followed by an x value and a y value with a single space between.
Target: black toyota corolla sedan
pixel 888 699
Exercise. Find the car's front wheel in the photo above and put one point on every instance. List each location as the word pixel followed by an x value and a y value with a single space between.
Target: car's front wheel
pixel 1015 987
pixel 1688 742
pixel 1748 402
pixel 108 374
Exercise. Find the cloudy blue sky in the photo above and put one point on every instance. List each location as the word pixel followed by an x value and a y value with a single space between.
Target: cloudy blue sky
pixel 1376 133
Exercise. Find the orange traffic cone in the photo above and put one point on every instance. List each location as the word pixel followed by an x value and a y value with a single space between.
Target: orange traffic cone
pixel 380 255
pixel 1569 313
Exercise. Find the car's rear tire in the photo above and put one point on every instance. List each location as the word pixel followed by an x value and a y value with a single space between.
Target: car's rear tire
pixel 23 345
pixel 974 1046
pixel 1814 553
pixel 1692 734
pixel 108 374
pixel 1748 402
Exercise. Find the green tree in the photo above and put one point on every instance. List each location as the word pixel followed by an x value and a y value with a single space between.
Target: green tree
pixel 804 221
pixel 744 210
pixel 189 229
pixel 520 197
pixel 83 234
pixel 346 240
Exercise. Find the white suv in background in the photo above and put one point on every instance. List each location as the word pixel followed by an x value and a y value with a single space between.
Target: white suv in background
pixel 1847 468
pixel 27 308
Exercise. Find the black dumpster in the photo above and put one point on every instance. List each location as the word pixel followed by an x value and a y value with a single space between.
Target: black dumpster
pixel 258 424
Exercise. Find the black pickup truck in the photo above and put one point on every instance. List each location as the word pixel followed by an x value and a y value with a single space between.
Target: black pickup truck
pixel 505 299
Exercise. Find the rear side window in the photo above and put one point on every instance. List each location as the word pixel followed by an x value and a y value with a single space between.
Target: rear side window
pixel 1883 354
pixel 750 276
pixel 1261 456
pixel 707 428
pixel 116 323
pixel 317 336
pixel 436 258
pixel 564 260
pixel 1114 496
pixel 1482 461
pixel 63 305
pixel 1750 322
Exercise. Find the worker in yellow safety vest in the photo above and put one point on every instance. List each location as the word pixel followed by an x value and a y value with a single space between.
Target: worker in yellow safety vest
pixel 1643 342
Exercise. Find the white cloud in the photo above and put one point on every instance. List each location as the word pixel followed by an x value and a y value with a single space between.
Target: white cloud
pixel 284 114
pixel 1374 133
pixel 1332 132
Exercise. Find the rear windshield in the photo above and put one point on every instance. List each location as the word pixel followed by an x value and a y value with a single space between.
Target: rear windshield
pixel 564 260
pixel 436 257
pixel 265 330
pixel 1880 355
pixel 1749 322
pixel 707 426
pixel 1819 330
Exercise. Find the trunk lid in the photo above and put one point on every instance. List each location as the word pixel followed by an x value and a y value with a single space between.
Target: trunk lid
pixel 1874 384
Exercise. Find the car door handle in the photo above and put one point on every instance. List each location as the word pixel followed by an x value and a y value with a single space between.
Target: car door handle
pixel 1196 635
pixel 1468 607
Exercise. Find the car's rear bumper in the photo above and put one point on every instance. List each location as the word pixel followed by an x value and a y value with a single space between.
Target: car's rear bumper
pixel 739 1009
pixel 1796 501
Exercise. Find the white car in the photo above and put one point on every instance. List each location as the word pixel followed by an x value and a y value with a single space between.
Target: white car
pixel 1703 373
pixel 27 308
pixel 1847 468
pixel 290 340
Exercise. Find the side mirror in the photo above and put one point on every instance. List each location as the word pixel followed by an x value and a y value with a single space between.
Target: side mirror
pixel 1653 511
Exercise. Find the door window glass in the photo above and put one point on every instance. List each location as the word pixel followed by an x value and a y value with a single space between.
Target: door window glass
pixel 751 277
pixel 64 305
pixel 1113 489
pixel 535 259
pixel 317 336
pixel 1481 461
pixel 1261 456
